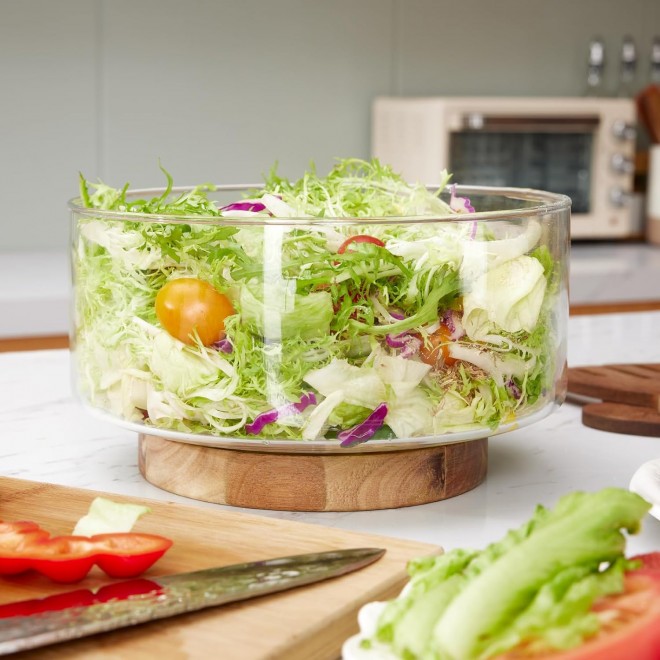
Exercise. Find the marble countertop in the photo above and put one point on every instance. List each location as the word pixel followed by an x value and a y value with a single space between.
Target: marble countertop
pixel 47 436
pixel 35 290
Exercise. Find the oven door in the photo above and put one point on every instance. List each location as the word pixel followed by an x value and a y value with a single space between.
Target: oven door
pixel 553 153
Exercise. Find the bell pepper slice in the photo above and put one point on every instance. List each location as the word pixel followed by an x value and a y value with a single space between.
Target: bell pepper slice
pixel 25 546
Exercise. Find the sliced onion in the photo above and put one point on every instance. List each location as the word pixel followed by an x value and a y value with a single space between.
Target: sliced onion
pixel 270 416
pixel 364 431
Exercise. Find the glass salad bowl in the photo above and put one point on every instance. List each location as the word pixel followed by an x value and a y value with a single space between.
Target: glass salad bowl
pixel 348 314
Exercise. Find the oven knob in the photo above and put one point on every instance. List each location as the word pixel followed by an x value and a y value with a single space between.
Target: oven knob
pixel 623 130
pixel 618 197
pixel 622 164
pixel 474 121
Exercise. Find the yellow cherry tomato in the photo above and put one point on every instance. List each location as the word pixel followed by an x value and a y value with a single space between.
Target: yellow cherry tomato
pixel 436 351
pixel 186 305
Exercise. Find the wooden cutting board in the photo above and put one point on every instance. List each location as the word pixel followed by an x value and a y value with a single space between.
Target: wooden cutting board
pixel 630 395
pixel 307 623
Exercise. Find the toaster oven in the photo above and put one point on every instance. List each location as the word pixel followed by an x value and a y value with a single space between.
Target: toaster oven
pixel 581 147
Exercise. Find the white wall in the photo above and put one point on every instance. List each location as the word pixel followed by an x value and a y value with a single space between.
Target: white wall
pixel 219 90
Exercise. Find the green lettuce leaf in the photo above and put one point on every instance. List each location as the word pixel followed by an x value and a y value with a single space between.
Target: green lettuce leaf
pixel 536 586
pixel 283 315
pixel 108 517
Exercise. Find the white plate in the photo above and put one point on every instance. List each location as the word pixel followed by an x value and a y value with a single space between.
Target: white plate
pixel 646 483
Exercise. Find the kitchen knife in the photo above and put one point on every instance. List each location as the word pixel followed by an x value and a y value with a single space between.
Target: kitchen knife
pixel 34 623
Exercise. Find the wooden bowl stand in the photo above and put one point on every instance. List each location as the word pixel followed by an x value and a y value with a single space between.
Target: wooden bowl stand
pixel 313 482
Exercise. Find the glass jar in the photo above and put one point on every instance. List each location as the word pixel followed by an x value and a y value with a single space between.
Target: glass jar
pixel 323 334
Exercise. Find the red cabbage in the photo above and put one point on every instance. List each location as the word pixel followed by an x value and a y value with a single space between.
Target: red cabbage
pixel 452 320
pixel 406 341
pixel 270 416
pixel 411 348
pixel 362 432
pixel 224 345
pixel 513 389
pixel 252 206
pixel 459 204
pixel 397 341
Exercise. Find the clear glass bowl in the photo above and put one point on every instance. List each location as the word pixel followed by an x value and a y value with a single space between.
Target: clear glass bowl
pixel 457 325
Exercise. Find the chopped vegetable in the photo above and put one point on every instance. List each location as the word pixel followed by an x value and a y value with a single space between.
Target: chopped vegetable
pixel 359 239
pixel 276 414
pixel 24 546
pixel 105 516
pixel 538 591
pixel 365 430
pixel 459 204
pixel 435 350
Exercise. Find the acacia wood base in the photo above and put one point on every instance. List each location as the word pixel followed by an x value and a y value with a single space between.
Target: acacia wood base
pixel 321 482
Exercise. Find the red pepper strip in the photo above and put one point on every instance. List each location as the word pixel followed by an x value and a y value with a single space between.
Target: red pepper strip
pixel 360 238
pixel 79 598
pixel 25 546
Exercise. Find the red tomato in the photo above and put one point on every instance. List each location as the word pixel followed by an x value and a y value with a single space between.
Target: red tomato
pixel 360 238
pixel 435 351
pixel 187 304
pixel 630 622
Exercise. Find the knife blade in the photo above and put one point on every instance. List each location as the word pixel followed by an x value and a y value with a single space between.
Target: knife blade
pixel 80 613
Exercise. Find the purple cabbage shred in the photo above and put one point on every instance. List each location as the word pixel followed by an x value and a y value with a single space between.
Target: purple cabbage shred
pixel 405 341
pixel 365 430
pixel 452 320
pixel 224 345
pixel 270 416
pixel 513 389
pixel 459 204
pixel 252 206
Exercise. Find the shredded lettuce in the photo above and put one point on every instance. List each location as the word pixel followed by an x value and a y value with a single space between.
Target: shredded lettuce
pixel 311 315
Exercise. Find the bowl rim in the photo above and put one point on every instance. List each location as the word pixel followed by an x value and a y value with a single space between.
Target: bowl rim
pixel 548 204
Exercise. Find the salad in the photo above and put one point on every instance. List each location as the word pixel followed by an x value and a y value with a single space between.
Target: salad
pixel 332 307
pixel 559 587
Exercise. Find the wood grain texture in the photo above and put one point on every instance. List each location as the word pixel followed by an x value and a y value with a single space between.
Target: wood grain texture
pixel 309 623
pixel 622 418
pixel 633 384
pixel 583 309
pixel 630 395
pixel 33 343
pixel 322 482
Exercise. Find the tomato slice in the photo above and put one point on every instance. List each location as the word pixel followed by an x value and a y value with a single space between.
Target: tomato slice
pixel 630 622
pixel 188 305
pixel 25 546
pixel 359 238
pixel 435 351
